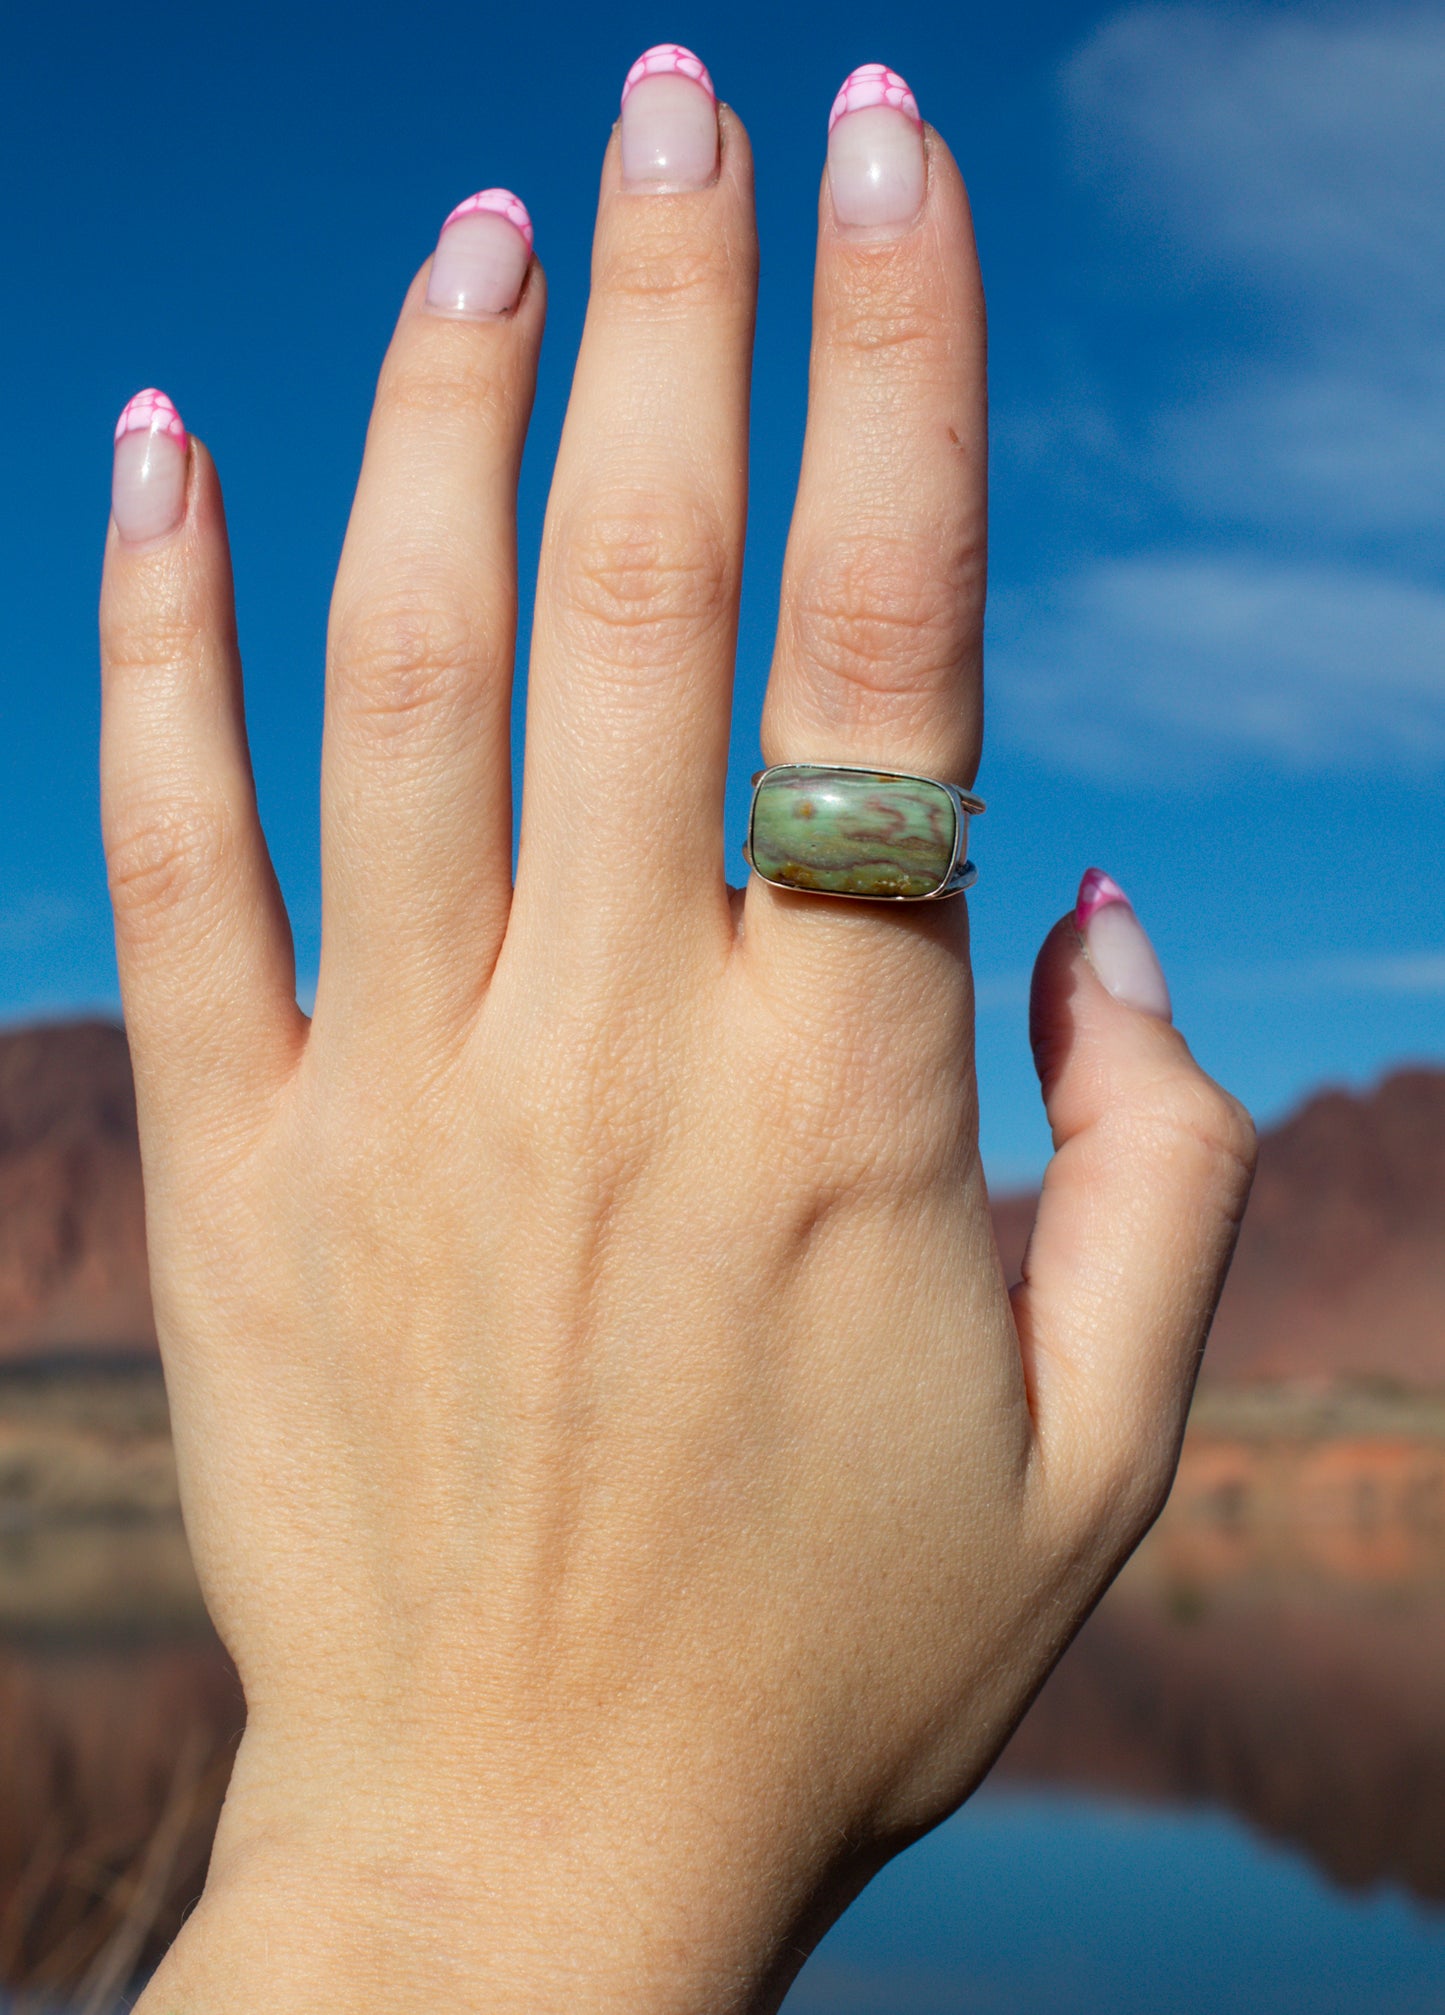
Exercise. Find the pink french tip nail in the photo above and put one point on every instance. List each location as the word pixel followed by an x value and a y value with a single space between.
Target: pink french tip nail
pixel 482 256
pixel 148 480
pixel 871 85
pixel 668 59
pixel 877 171
pixel 669 122
pixel 1095 891
pixel 1118 948
pixel 150 412
pixel 496 203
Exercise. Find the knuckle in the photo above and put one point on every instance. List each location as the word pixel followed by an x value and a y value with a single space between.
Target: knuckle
pixel 1196 1120
pixel 878 311
pixel 881 619
pixel 164 861
pixel 146 646
pixel 652 574
pixel 405 660
pixel 448 379
pixel 664 269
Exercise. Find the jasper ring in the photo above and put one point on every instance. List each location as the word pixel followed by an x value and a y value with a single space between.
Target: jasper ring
pixel 877 835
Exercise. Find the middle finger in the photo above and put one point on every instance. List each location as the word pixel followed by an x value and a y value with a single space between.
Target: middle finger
pixel 631 673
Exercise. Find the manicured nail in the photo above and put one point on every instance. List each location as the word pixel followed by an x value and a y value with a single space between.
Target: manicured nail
pixel 1116 947
pixel 669 121
pixel 148 480
pixel 482 256
pixel 876 171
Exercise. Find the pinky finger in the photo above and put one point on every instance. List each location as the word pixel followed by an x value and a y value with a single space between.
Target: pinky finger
pixel 204 950
pixel 1136 1220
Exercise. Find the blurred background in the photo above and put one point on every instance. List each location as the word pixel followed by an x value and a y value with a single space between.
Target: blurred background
pixel 1211 238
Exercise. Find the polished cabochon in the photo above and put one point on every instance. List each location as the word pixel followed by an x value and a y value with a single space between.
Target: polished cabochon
pixel 879 834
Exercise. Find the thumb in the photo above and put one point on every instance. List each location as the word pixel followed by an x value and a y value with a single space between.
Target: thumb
pixel 1138 1214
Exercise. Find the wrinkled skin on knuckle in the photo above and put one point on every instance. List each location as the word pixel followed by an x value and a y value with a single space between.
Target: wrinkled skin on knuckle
pixel 405 661
pixel 663 267
pixel 877 307
pixel 449 380
pixel 645 577
pixel 1205 1136
pixel 152 649
pixel 882 625
pixel 166 864
pixel 1232 1139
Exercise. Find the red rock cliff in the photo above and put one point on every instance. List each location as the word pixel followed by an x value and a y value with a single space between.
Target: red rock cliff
pixel 72 1228
pixel 1340 1269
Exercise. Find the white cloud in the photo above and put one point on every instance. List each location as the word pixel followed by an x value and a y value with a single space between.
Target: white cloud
pixel 1326 445
pixel 1418 974
pixel 1300 157
pixel 1313 147
pixel 1163 665
pixel 1387 973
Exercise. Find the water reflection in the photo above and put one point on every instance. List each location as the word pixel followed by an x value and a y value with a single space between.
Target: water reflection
pixel 1046 1904
pixel 119 1712
pixel 1277 1648
pixel 113 1760
pixel 1268 1670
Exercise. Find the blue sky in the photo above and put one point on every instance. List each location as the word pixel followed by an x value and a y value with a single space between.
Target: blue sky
pixel 1210 238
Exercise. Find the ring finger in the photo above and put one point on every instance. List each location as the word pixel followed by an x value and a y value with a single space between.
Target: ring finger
pixel 879 651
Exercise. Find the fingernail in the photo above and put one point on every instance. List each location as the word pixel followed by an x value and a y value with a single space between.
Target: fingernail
pixel 876 171
pixel 148 479
pixel 669 121
pixel 1117 948
pixel 482 256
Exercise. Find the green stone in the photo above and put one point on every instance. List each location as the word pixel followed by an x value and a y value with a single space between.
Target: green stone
pixel 852 832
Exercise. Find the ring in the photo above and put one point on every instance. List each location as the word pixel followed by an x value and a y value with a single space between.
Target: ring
pixel 833 829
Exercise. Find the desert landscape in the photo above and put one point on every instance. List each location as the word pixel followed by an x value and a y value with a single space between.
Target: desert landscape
pixel 1274 1648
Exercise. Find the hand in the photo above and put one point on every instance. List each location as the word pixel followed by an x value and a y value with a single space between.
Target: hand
pixel 610 1453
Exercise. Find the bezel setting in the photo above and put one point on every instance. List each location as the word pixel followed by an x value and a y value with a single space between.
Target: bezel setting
pixel 961 874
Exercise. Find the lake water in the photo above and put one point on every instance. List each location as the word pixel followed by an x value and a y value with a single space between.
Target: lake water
pixel 1035 1903
pixel 1230 1796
